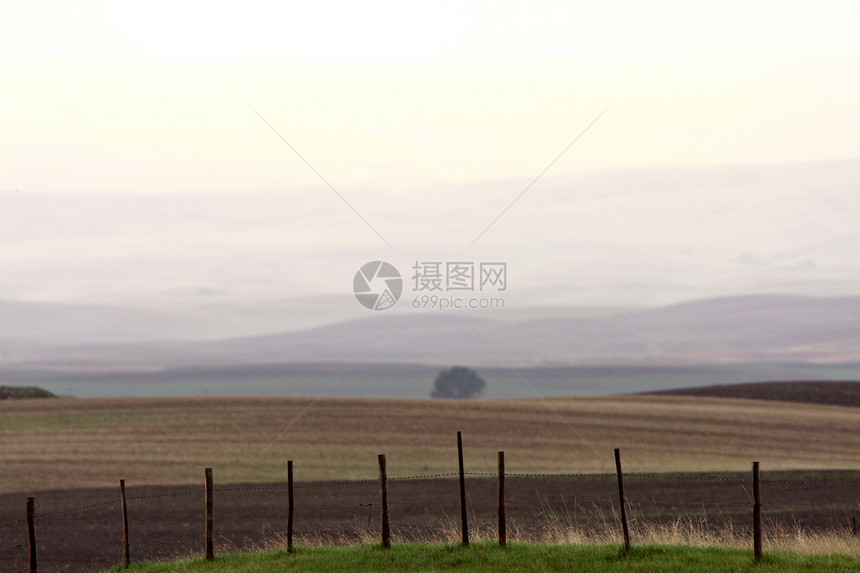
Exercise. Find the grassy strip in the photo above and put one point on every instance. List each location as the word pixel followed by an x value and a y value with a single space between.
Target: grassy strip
pixel 488 557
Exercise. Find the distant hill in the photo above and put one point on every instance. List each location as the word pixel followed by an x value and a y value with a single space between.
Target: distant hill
pixel 726 330
pixel 20 392
pixel 748 329
pixel 712 341
pixel 834 393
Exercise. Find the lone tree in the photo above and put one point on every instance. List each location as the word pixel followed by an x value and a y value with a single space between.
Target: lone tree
pixel 457 382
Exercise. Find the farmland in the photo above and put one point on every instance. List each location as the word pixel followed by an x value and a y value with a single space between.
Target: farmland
pixel 76 443
pixel 70 453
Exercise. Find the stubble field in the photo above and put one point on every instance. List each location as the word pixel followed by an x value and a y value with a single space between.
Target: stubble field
pixel 76 443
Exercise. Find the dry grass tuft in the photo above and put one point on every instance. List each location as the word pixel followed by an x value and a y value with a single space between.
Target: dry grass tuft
pixel 604 529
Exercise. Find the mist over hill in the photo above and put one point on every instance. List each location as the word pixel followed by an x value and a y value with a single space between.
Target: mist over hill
pixel 708 341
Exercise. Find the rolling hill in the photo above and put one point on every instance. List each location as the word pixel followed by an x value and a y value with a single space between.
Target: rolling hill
pixel 706 342
pixel 67 443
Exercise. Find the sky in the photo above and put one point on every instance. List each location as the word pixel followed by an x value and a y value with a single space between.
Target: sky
pixel 637 152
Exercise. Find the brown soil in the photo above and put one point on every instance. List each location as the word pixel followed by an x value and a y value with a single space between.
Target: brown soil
pixel 80 530
pixel 834 393
pixel 91 443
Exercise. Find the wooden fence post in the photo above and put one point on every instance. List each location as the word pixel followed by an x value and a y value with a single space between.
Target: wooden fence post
pixel 210 547
pixel 756 512
pixel 383 493
pixel 31 533
pixel 290 506
pixel 125 552
pixel 464 519
pixel 503 533
pixel 621 500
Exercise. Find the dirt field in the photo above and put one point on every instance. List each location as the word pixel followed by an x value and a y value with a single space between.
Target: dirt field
pixel 841 393
pixel 168 521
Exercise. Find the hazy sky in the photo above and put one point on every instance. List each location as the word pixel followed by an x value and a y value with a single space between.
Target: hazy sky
pixel 132 159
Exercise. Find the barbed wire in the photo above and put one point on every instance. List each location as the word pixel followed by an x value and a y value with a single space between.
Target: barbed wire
pixel 551 475
pixel 283 487
pixel 686 477
pixel 333 483
pixel 690 503
pixel 331 506
pixel 576 501
pixel 232 515
pixel 174 541
pixel 98 558
pixel 78 535
pixel 74 509
pixel 159 524
pixel 810 483
pixel 13 522
pixel 160 495
pixel 252 488
pixel 809 507
pixel 427 476
pixel 439 501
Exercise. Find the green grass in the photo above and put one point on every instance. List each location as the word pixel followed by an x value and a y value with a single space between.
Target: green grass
pixel 488 557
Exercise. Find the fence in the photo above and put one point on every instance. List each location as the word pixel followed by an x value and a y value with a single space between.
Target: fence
pixel 158 522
